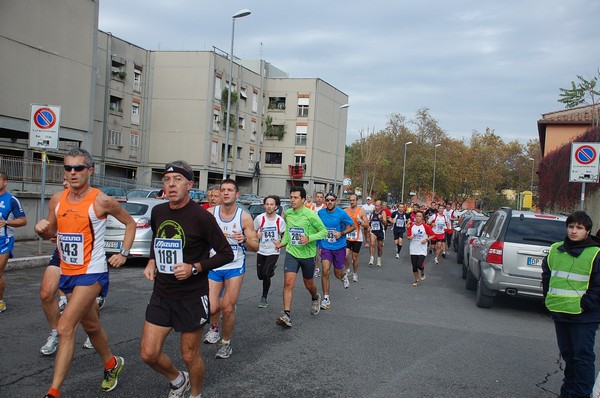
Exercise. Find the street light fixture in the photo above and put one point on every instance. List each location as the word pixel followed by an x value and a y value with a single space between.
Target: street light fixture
pixel 240 14
pixel 434 165
pixel 337 149
pixel 404 168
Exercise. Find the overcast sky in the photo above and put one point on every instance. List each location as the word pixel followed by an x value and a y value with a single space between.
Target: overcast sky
pixel 474 64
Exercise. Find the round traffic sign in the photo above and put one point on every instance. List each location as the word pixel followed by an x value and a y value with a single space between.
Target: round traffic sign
pixel 44 118
pixel 585 154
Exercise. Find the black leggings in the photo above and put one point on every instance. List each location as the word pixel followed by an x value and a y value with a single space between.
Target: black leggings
pixel 265 269
pixel 418 262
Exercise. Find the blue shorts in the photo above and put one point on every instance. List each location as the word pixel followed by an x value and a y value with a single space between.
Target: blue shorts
pixel 293 264
pixel 222 275
pixel 68 282
pixel 7 245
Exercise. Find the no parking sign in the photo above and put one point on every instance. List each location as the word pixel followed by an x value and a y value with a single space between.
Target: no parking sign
pixel 584 162
pixel 43 126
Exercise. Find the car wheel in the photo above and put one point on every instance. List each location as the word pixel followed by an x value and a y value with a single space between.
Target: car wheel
pixel 481 300
pixel 471 282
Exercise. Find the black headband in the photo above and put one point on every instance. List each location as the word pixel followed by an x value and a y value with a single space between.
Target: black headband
pixel 331 194
pixel 177 169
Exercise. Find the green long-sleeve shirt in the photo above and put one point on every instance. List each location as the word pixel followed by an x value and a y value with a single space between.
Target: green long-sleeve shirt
pixel 302 222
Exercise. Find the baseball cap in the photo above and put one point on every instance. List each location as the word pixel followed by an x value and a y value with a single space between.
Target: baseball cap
pixel 368 198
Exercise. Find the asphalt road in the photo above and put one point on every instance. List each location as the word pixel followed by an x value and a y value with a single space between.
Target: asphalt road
pixel 381 338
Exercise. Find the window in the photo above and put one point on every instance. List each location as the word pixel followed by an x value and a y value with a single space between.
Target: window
pixel 134 144
pixel 218 88
pixel 229 153
pixel 137 80
pixel 114 138
pixel 301 132
pixel 238 154
pixel 303 110
pixel 216 119
pixel 300 158
pixel 273 157
pixel 213 152
pixel 253 130
pixel 254 102
pixel 135 113
pixel 115 104
pixel 277 103
pixel 243 93
pixel 117 67
pixel 241 123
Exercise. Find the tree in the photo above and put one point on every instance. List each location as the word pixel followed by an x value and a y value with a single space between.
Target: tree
pixel 582 93
pixel 232 115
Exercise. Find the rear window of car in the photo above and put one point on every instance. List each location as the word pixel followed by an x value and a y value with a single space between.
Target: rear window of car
pixel 535 231
pixel 256 208
pixel 135 209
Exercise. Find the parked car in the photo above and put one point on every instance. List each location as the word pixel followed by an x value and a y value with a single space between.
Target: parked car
pixel 140 209
pixel 197 195
pixel 257 208
pixel 460 224
pixel 507 256
pixel 463 234
pixel 114 191
pixel 471 235
pixel 248 198
pixel 142 193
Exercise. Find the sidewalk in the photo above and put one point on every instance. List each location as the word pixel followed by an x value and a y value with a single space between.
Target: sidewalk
pixel 27 254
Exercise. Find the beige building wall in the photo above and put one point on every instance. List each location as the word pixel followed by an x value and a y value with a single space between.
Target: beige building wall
pixel 559 135
pixel 47 58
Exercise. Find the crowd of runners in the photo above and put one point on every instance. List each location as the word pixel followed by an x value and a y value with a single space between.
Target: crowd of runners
pixel 198 262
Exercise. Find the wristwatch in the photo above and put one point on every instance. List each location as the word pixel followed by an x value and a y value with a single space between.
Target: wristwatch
pixel 194 269
pixel 124 252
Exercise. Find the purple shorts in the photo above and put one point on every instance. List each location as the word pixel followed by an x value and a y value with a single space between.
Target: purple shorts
pixel 336 257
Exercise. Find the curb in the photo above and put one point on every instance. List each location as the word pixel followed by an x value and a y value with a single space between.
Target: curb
pixel 27 262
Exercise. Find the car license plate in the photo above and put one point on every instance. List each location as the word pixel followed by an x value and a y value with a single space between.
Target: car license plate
pixel 112 245
pixel 534 261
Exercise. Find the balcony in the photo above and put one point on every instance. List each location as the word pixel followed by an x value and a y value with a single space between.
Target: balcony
pixel 297 170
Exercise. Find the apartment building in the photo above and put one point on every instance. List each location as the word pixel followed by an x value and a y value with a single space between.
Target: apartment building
pixel 136 109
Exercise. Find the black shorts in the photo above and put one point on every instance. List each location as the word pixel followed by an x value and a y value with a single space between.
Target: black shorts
pixel 265 265
pixel 378 234
pixel 399 233
pixel 353 245
pixel 181 315
pixel 55 259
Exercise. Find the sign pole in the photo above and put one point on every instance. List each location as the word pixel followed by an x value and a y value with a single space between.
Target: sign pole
pixel 582 195
pixel 42 197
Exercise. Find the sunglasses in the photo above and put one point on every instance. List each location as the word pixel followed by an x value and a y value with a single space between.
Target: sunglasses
pixel 77 167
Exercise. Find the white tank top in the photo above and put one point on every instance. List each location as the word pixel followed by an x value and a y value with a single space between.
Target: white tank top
pixel 229 228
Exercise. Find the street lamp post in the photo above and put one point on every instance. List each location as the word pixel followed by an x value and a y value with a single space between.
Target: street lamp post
pixel 239 14
pixel 434 165
pixel 337 149
pixel 404 168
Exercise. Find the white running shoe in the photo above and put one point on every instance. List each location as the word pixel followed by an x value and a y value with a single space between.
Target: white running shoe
pixel 315 305
pixel 51 345
pixel 212 337
pixel 371 261
pixel 355 277
pixel 179 392
pixel 379 262
pixel 397 255
pixel 87 344
pixel 317 273
pixel 62 303
pixel 101 300
pixel 325 304
pixel 347 271
pixel 345 281
pixel 436 260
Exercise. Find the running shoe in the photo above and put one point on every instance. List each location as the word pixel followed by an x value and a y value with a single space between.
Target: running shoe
pixel 345 281
pixel 212 336
pixel 315 305
pixel 178 392
pixel 444 254
pixel 379 262
pixel 51 345
pixel 436 260
pixel 397 255
pixel 371 260
pixel 317 273
pixel 62 303
pixel 100 300
pixel 2 306
pixel 263 303
pixel 355 277
pixel 430 251
pixel 422 277
pixel 347 270
pixel 284 320
pixel 325 304
pixel 224 352
pixel 87 344
pixel 111 377
pixel 415 283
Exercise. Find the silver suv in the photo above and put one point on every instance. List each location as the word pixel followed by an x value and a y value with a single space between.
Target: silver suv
pixel 507 256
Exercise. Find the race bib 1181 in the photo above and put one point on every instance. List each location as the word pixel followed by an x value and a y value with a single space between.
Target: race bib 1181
pixel 167 253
